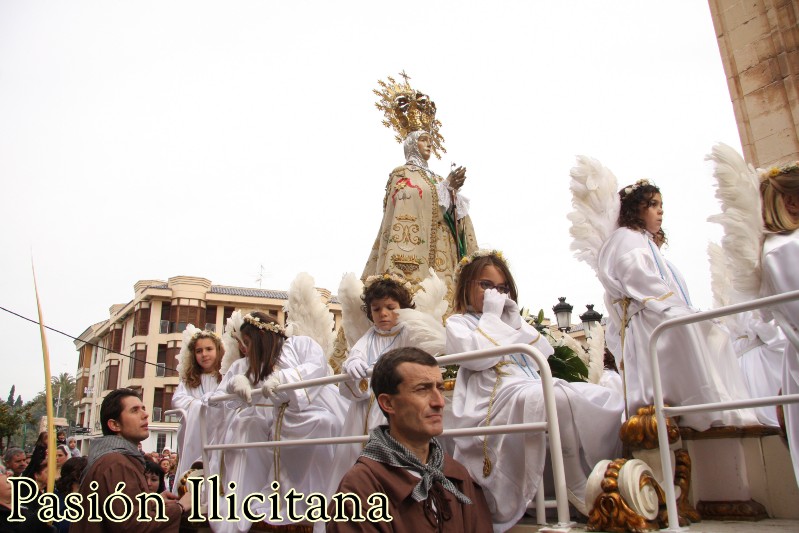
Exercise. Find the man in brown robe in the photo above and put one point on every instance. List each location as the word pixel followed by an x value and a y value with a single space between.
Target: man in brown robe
pixel 115 458
pixel 425 489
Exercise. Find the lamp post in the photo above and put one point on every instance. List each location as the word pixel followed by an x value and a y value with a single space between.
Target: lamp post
pixel 563 314
pixel 590 319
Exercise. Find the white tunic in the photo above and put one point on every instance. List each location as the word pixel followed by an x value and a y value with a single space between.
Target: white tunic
pixel 190 399
pixel 697 362
pixel 780 274
pixel 364 414
pixel 760 347
pixel 311 413
pixel 518 459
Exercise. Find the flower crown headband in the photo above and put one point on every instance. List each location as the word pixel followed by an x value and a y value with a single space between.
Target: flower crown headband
pixel 477 254
pixel 773 172
pixel 631 188
pixel 204 333
pixel 274 327
pixel 388 276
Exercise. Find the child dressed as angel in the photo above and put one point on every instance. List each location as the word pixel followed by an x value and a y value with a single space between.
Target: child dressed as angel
pixel 383 296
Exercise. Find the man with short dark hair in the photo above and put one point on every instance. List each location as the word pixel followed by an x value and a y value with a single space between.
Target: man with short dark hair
pixel 15 461
pixel 115 458
pixel 426 489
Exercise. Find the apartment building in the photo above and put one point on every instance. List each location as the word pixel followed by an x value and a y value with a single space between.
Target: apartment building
pixel 136 346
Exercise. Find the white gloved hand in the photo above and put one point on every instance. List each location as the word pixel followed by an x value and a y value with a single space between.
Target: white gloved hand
pixel 356 368
pixel 240 386
pixel 511 315
pixel 268 390
pixel 493 302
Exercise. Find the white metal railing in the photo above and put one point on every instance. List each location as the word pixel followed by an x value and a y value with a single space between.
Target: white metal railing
pixel 550 425
pixel 661 411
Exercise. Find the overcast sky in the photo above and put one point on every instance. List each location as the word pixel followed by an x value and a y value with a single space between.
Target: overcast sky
pixel 145 140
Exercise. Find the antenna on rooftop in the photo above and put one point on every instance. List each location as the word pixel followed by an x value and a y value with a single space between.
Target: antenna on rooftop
pixel 260 277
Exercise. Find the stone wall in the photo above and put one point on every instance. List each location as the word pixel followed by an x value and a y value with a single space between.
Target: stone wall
pixel 758 41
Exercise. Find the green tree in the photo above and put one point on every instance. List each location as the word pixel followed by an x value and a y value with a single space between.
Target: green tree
pixel 10 400
pixel 12 419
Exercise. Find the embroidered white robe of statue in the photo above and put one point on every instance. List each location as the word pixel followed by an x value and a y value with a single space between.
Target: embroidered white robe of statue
pixel 780 274
pixel 589 412
pixel 314 412
pixel 190 399
pixel 697 362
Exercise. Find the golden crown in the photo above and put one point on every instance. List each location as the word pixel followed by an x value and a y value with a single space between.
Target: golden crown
pixel 407 110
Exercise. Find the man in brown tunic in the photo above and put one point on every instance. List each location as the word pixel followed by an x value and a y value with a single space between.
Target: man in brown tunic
pixel 425 489
pixel 115 458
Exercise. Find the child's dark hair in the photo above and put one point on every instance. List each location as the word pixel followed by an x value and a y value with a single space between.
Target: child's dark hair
pixel 385 288
pixel 633 202
pixel 265 347
pixel 151 467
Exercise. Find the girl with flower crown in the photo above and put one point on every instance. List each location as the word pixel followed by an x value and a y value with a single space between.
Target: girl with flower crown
pixel 198 366
pixel 507 389
pixel 779 192
pixel 697 362
pixel 383 296
pixel 269 360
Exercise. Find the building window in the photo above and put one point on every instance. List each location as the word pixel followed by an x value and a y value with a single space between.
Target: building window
pixel 112 375
pixel 162 401
pixel 165 312
pixel 115 338
pixel 185 311
pixel 210 318
pixel 160 442
pixel 160 370
pixel 141 319
pixel 138 353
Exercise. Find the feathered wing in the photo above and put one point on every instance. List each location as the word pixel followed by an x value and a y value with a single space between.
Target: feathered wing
pixel 596 208
pixel 308 315
pixel 353 319
pixel 184 357
pixel 596 354
pixel 719 275
pixel 428 332
pixel 426 321
pixel 738 190
pixel 230 341
pixel 431 297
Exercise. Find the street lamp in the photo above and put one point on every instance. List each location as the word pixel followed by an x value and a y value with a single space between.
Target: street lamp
pixel 590 320
pixel 563 314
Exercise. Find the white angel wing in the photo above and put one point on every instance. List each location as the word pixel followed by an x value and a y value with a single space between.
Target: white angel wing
pixel 596 208
pixel 431 297
pixel 230 341
pixel 308 315
pixel 353 319
pixel 719 275
pixel 184 357
pixel 738 189
pixel 596 354
pixel 428 331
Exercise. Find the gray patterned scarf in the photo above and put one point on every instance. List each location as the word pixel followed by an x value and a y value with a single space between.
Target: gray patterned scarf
pixel 383 448
pixel 112 444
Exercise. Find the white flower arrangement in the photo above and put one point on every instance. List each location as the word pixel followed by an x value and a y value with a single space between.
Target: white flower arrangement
pixel 631 188
pixel 274 327
pixel 483 252
pixel 388 276
pixel 773 172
